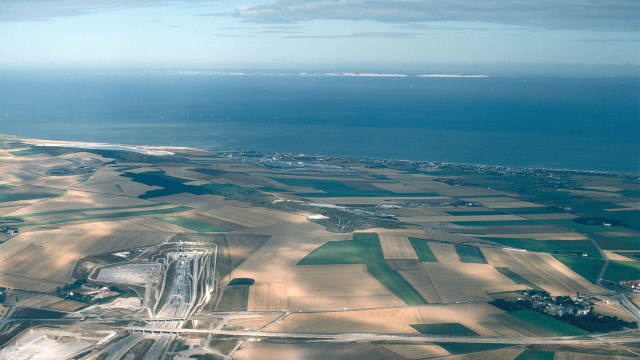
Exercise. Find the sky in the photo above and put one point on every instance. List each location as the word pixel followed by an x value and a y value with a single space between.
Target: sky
pixel 280 34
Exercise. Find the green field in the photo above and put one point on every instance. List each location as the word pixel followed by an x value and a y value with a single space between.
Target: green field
pixel 377 267
pixel 423 250
pixel 570 224
pixel 271 189
pixel 192 224
pixel 86 209
pixel 535 355
pixel 333 188
pixel 25 152
pixel 470 254
pixel 474 213
pixel 517 278
pixel 465 348
pixel 587 268
pixel 547 323
pixel 7 196
pixel 622 270
pixel 172 210
pixel 335 252
pixel 496 223
pixel 618 242
pixel 550 246
pixel 444 329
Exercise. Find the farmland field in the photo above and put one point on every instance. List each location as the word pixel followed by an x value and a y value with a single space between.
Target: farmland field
pixel 335 252
pixel 536 355
pixel 470 254
pixel 622 270
pixel 587 268
pixel 548 323
pixel 192 224
pixel 422 249
pixel 444 329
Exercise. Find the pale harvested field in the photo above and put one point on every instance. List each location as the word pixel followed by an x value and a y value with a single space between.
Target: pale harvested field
pixel 504 324
pixel 84 157
pixel 405 264
pixel 593 194
pixel 540 236
pixel 610 309
pixel 267 296
pixel 445 253
pixel 627 207
pixel 29 284
pixel 417 351
pixel 435 186
pixel 198 182
pixel 249 217
pixel 398 187
pixel 139 224
pixel 416 232
pixel 209 220
pixel 422 284
pixel 511 229
pixel 396 321
pixel 617 257
pixel 550 216
pixel 562 355
pixel 254 321
pixel 313 351
pixel 40 300
pixel 453 218
pixel 201 202
pixel 142 169
pixel 378 200
pixel 547 272
pixel 397 247
pixel 241 246
pixel 467 282
pixel 507 204
pixel 298 227
pixel 277 257
pixel 501 354
pixel 325 287
pixel 4 210
pixel 56 258
pixel 447 236
pixel 493 257
pixel 34 161
pixel 458 313
pixel 58 182
pixel 66 305
pixel 81 200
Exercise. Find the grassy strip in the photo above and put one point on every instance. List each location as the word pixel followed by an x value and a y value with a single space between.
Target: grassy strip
pixel 82 210
pixel 587 268
pixel 423 250
pixel 547 323
pixel 444 329
pixel 550 246
pixel 377 267
pixel 25 152
pixel 335 252
pixel 271 189
pixel 622 270
pixel 570 224
pixel 173 210
pixel 470 254
pixel 465 348
pixel 517 278
pixel 7 197
pixel 535 355
pixel 196 225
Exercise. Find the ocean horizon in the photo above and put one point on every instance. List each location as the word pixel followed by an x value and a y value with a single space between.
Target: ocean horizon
pixel 573 123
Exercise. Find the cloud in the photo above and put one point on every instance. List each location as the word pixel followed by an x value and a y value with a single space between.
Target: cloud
pixel 358 35
pixel 611 15
pixel 35 10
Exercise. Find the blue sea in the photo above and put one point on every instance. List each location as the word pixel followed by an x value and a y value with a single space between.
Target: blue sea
pixel 578 123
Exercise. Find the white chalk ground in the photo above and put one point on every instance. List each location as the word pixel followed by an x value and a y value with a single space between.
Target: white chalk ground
pixel 38 346
pixel 131 303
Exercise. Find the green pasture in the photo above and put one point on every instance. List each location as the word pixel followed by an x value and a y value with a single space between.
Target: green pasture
pixel 444 329
pixel 333 188
pixel 335 252
pixel 547 323
pixel 422 249
pixel 587 268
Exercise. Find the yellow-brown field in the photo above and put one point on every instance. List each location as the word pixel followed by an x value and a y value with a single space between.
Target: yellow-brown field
pixel 313 351
pixel 610 309
pixel 397 247
pixel 492 203
pixel 417 351
pixel 40 300
pixel 541 269
pixel 255 321
pixel 410 231
pixel 398 187
pixel 324 287
pixel 616 256
pixel 501 354
pixel 249 217
pixel 51 255
pixel 445 253
pixel 66 305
